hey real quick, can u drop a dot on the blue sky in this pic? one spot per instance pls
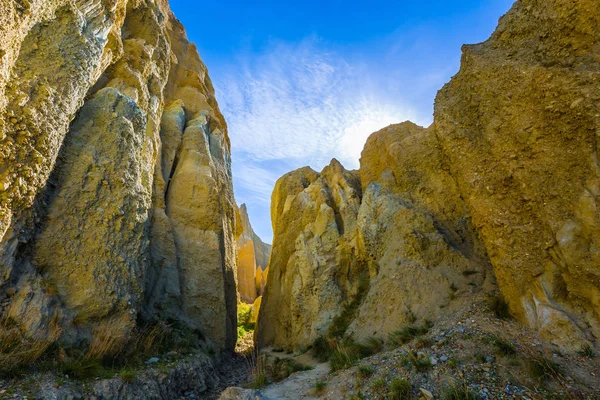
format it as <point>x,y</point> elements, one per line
<point>302,82</point>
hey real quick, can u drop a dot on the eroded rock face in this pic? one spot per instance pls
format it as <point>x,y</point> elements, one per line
<point>503,189</point>
<point>315,262</point>
<point>115,174</point>
<point>413,249</point>
<point>253,260</point>
<point>519,125</point>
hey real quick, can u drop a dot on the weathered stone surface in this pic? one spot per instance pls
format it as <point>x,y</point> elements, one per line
<point>506,179</point>
<point>184,379</point>
<point>116,198</point>
<point>315,264</point>
<point>519,125</point>
<point>253,260</point>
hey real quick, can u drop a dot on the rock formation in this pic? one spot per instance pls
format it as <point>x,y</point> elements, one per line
<point>503,189</point>
<point>116,198</point>
<point>253,260</point>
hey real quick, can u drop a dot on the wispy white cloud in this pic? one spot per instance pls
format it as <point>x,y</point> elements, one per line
<point>300,104</point>
<point>304,103</point>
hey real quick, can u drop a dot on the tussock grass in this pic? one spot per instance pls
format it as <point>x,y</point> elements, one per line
<point>461,392</point>
<point>543,368</point>
<point>406,334</point>
<point>401,389</point>
<point>503,346</point>
<point>365,372</point>
<point>320,386</point>
<point>587,350</point>
<point>422,364</point>
<point>257,364</point>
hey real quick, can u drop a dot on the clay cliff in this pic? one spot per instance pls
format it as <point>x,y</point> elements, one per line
<point>501,193</point>
<point>116,198</point>
<point>253,260</point>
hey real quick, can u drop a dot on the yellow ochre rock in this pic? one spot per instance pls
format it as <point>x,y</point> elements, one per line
<point>502,192</point>
<point>116,196</point>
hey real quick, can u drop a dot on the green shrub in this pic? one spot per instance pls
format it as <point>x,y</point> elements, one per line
<point>340,324</point>
<point>127,375</point>
<point>343,357</point>
<point>322,349</point>
<point>284,367</point>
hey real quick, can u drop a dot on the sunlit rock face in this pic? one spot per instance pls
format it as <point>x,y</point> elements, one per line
<point>116,198</point>
<point>519,125</point>
<point>253,260</point>
<point>502,191</point>
<point>399,258</point>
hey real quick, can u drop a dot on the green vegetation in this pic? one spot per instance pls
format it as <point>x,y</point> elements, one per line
<point>400,389</point>
<point>244,316</point>
<point>340,324</point>
<point>127,375</point>
<point>587,351</point>
<point>365,372</point>
<point>103,357</point>
<point>543,368</point>
<point>460,393</point>
<point>258,370</point>
<point>421,364</point>
<point>320,386</point>
<point>343,352</point>
<point>284,367</point>
<point>499,306</point>
<point>503,346</point>
<point>406,334</point>
<point>479,357</point>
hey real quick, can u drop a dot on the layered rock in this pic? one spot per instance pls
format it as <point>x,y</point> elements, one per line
<point>253,260</point>
<point>503,186</point>
<point>115,178</point>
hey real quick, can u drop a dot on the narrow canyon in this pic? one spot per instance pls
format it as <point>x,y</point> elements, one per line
<point>460,261</point>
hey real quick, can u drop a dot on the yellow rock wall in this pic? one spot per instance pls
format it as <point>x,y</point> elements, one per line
<point>502,191</point>
<point>116,196</point>
<point>253,260</point>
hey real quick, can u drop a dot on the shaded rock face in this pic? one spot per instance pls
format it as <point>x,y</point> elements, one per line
<point>253,260</point>
<point>116,198</point>
<point>500,192</point>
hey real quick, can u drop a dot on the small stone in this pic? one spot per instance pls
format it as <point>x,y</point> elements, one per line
<point>433,361</point>
<point>426,394</point>
<point>443,358</point>
<point>153,360</point>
